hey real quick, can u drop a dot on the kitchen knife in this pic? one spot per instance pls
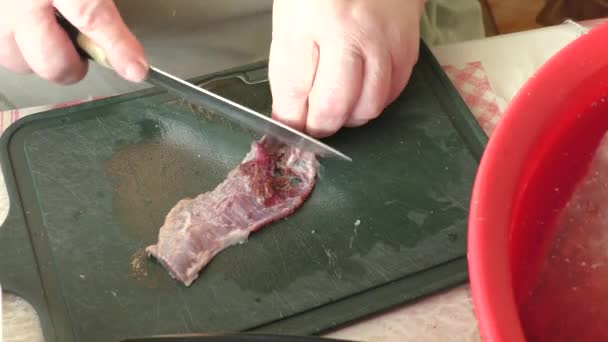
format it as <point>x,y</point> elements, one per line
<point>241,115</point>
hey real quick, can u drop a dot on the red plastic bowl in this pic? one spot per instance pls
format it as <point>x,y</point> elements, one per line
<point>535,158</point>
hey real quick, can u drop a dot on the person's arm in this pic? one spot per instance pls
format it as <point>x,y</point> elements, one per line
<point>336,63</point>
<point>32,40</point>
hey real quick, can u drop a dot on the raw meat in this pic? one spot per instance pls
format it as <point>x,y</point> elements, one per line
<point>271,182</point>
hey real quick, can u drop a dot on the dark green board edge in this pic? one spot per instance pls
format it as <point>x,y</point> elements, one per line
<point>315,321</point>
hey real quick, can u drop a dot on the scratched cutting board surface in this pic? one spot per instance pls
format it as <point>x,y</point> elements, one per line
<point>89,187</point>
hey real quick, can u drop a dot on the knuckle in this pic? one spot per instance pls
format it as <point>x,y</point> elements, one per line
<point>362,26</point>
<point>327,110</point>
<point>360,14</point>
<point>356,39</point>
<point>372,108</point>
<point>320,130</point>
<point>52,75</point>
<point>288,87</point>
<point>296,90</point>
<point>20,68</point>
<point>61,74</point>
<point>373,100</point>
<point>15,66</point>
<point>285,95</point>
<point>324,120</point>
<point>369,111</point>
<point>357,123</point>
<point>11,58</point>
<point>291,75</point>
<point>91,15</point>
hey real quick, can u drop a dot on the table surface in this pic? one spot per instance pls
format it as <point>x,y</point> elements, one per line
<point>447,316</point>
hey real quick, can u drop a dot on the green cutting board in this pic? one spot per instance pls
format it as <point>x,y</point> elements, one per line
<point>89,187</point>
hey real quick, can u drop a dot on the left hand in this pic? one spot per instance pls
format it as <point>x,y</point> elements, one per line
<point>33,42</point>
<point>336,63</point>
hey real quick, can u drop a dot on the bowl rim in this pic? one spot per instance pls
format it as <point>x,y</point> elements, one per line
<point>500,172</point>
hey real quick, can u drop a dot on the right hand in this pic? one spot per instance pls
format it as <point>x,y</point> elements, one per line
<point>31,40</point>
<point>336,63</point>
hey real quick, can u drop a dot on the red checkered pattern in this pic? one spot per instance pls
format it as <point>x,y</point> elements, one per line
<point>473,85</point>
<point>470,80</point>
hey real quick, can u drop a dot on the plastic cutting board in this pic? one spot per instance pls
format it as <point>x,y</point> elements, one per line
<point>90,185</point>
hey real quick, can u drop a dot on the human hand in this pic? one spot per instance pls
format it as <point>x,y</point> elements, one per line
<point>33,41</point>
<point>336,63</point>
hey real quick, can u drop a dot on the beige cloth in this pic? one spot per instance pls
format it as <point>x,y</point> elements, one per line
<point>443,21</point>
<point>150,16</point>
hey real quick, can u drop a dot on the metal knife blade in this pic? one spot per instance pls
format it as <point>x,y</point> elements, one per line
<point>257,122</point>
<point>241,115</point>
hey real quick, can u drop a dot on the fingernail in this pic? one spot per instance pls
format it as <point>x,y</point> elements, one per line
<point>136,71</point>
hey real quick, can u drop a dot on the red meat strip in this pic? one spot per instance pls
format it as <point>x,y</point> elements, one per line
<point>270,183</point>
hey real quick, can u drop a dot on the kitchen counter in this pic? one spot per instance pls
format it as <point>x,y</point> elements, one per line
<point>508,62</point>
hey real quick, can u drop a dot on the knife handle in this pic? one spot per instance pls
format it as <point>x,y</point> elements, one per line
<point>85,47</point>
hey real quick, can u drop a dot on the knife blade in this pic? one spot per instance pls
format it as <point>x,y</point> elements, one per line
<point>241,115</point>
<point>257,122</point>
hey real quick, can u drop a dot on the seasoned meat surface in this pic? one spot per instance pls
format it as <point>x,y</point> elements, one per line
<point>271,182</point>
